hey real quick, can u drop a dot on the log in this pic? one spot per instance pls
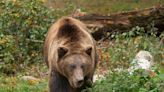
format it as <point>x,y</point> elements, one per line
<point>101,25</point>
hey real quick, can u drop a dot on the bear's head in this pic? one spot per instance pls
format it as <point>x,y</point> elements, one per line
<point>74,66</point>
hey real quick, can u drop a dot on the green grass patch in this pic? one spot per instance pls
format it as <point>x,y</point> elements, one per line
<point>15,84</point>
<point>125,82</point>
<point>106,6</point>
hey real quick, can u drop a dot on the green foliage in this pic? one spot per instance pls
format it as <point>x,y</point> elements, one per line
<point>126,45</point>
<point>108,6</point>
<point>23,24</point>
<point>121,52</point>
<point>15,84</point>
<point>125,82</point>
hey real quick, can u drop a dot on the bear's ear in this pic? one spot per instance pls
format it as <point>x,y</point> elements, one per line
<point>89,51</point>
<point>61,52</point>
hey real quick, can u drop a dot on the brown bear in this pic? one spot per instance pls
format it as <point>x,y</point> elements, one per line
<point>70,53</point>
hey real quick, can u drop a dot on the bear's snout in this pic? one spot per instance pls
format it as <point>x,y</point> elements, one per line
<point>78,78</point>
<point>80,82</point>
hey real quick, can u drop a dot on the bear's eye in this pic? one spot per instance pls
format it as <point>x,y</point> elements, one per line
<point>72,66</point>
<point>82,66</point>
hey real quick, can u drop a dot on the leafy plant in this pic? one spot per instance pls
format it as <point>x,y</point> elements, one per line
<point>23,25</point>
<point>125,82</point>
<point>16,84</point>
<point>121,53</point>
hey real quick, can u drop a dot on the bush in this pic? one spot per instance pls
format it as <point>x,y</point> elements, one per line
<point>23,24</point>
<point>125,82</point>
<point>117,58</point>
<point>125,46</point>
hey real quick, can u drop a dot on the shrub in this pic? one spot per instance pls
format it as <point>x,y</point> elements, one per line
<point>23,24</point>
<point>125,46</point>
<point>125,82</point>
<point>120,54</point>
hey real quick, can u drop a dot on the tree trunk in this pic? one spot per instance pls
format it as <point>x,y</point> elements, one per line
<point>122,22</point>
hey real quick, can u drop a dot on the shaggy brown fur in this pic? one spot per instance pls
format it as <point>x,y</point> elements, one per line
<point>70,54</point>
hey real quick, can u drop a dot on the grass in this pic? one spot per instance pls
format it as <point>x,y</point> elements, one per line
<point>112,6</point>
<point>106,6</point>
<point>15,84</point>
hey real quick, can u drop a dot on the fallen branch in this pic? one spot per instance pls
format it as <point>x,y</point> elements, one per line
<point>100,25</point>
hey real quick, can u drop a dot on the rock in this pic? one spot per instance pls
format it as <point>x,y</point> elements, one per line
<point>30,79</point>
<point>143,60</point>
<point>144,55</point>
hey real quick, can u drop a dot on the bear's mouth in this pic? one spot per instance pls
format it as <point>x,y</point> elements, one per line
<point>77,84</point>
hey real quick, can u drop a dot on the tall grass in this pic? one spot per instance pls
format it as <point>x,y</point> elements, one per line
<point>16,84</point>
<point>106,6</point>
